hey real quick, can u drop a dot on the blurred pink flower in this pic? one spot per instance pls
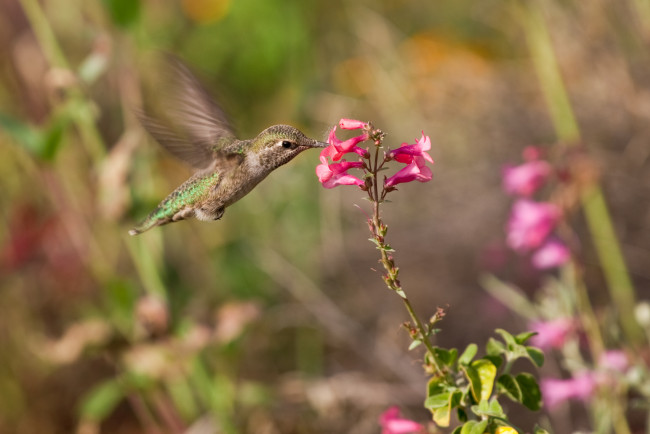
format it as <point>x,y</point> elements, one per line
<point>352,124</point>
<point>614,360</point>
<point>530,224</point>
<point>338,148</point>
<point>531,153</point>
<point>416,157</point>
<point>555,391</point>
<point>551,334</point>
<point>392,423</point>
<point>527,178</point>
<point>552,254</point>
<point>334,174</point>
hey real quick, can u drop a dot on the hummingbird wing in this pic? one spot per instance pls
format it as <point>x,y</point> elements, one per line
<point>199,128</point>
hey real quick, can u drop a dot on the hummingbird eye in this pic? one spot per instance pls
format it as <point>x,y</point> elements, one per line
<point>287,144</point>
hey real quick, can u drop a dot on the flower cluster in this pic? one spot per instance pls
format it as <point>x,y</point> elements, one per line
<point>531,226</point>
<point>333,170</point>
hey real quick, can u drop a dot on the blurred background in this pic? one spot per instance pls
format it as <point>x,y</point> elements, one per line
<point>273,320</point>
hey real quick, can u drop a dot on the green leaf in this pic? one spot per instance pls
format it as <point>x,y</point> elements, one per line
<point>437,401</point>
<point>494,347</point>
<point>23,133</point>
<point>508,385</point>
<point>508,338</point>
<point>496,360</point>
<point>446,357</point>
<point>468,354</point>
<point>491,408</point>
<point>522,338</point>
<point>101,400</point>
<point>531,395</point>
<point>441,408</point>
<point>435,386</point>
<point>487,373</point>
<point>481,374</point>
<point>457,430</point>
<point>495,409</point>
<point>442,415</point>
<point>462,415</point>
<point>416,343</point>
<point>474,427</point>
<point>480,409</point>
<point>474,381</point>
<point>536,355</point>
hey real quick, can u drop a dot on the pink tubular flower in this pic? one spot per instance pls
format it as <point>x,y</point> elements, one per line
<point>416,171</point>
<point>530,224</point>
<point>334,174</point>
<point>415,156</point>
<point>555,391</point>
<point>352,124</point>
<point>551,334</point>
<point>392,423</point>
<point>552,254</point>
<point>526,179</point>
<point>338,148</point>
<point>407,153</point>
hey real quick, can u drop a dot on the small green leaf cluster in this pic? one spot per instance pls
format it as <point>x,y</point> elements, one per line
<point>471,387</point>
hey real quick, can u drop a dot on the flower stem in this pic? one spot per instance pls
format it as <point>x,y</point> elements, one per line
<point>378,230</point>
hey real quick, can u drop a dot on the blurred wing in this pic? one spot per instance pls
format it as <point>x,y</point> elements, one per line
<point>197,155</point>
<point>198,126</point>
<point>194,110</point>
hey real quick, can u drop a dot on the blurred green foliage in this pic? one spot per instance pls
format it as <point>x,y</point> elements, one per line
<point>216,326</point>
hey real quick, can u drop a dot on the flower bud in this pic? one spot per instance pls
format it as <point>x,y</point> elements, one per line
<point>352,124</point>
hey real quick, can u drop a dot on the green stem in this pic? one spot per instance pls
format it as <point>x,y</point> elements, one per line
<point>595,209</point>
<point>388,263</point>
<point>80,109</point>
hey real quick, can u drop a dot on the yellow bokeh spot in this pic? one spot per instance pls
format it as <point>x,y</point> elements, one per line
<point>427,54</point>
<point>505,430</point>
<point>205,11</point>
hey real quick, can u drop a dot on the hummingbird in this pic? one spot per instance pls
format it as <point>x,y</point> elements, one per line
<point>226,168</point>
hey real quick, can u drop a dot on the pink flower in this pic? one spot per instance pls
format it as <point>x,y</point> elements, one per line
<point>552,254</point>
<point>352,124</point>
<point>526,179</point>
<point>551,334</point>
<point>531,153</point>
<point>530,224</point>
<point>392,423</point>
<point>415,156</point>
<point>334,174</point>
<point>614,360</point>
<point>555,391</point>
<point>338,148</point>
<point>416,171</point>
<point>407,153</point>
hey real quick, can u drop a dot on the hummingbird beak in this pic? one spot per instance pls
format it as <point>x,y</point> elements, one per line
<point>321,145</point>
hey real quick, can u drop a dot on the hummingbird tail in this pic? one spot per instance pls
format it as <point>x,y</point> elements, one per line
<point>144,226</point>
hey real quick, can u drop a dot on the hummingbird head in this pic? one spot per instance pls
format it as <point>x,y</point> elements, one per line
<point>279,144</point>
